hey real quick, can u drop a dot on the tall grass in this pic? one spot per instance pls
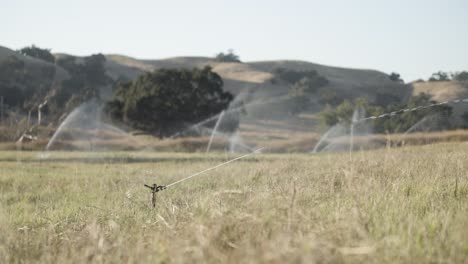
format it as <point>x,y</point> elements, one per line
<point>405,205</point>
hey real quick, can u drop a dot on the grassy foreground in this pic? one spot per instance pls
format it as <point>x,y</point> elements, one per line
<point>406,205</point>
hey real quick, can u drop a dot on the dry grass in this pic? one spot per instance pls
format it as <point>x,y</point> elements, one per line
<point>402,205</point>
<point>277,141</point>
<point>441,91</point>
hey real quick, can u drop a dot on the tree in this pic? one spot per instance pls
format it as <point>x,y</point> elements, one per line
<point>299,99</point>
<point>302,85</point>
<point>11,69</point>
<point>228,57</point>
<point>461,76</point>
<point>329,97</point>
<point>36,52</point>
<point>12,77</point>
<point>165,101</point>
<point>94,70</point>
<point>86,80</point>
<point>395,77</point>
<point>24,88</point>
<point>439,76</point>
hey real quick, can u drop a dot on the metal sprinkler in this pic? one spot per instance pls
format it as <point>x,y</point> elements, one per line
<point>154,189</point>
<point>157,188</point>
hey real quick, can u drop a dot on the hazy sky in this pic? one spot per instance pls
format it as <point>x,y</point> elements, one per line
<point>412,37</point>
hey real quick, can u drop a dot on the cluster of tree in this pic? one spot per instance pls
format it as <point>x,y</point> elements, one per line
<point>24,87</point>
<point>302,84</point>
<point>230,56</point>
<point>20,86</point>
<point>87,77</point>
<point>441,76</point>
<point>11,76</point>
<point>36,52</point>
<point>160,103</point>
<point>461,76</point>
<point>165,101</point>
<point>398,123</point>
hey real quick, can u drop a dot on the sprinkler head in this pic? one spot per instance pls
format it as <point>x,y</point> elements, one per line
<point>154,189</point>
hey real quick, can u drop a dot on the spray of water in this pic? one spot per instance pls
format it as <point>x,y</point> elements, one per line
<point>220,118</point>
<point>341,136</point>
<point>234,110</point>
<point>335,131</point>
<point>71,117</point>
<point>84,129</point>
<point>236,144</point>
<point>428,123</point>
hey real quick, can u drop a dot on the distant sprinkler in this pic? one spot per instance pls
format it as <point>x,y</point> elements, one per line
<point>39,112</point>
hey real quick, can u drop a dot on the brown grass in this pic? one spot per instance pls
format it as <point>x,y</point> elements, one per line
<point>404,205</point>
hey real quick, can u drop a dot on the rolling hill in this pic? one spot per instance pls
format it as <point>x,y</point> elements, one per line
<point>348,83</point>
<point>255,83</point>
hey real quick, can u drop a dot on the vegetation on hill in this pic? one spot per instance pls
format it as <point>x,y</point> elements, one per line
<point>26,83</point>
<point>302,84</point>
<point>395,77</point>
<point>26,87</point>
<point>399,123</point>
<point>439,76</point>
<point>461,76</point>
<point>165,101</point>
<point>21,88</point>
<point>36,52</point>
<point>87,77</point>
<point>442,76</point>
<point>230,56</point>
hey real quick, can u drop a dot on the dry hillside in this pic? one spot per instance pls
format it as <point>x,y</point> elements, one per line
<point>444,91</point>
<point>349,83</point>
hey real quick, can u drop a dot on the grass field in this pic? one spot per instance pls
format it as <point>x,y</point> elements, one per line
<point>404,205</point>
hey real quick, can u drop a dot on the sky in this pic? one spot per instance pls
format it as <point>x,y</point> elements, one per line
<point>414,38</point>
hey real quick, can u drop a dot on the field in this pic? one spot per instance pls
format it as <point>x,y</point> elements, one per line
<point>393,205</point>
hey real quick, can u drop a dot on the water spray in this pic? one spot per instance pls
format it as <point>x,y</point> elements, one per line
<point>157,188</point>
<point>229,111</point>
<point>214,131</point>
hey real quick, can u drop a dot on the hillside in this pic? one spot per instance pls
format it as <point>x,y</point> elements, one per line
<point>256,78</point>
<point>444,91</point>
<point>348,83</point>
<point>263,93</point>
<point>32,63</point>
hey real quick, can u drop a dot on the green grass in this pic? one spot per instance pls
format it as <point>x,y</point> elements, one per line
<point>406,205</point>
